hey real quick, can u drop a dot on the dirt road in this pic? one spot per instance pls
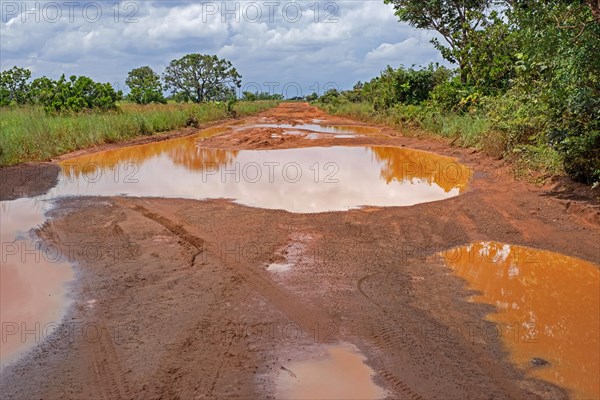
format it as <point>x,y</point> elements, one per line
<point>186,307</point>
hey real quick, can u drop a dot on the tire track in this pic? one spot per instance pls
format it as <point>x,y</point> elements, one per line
<point>105,371</point>
<point>295,308</point>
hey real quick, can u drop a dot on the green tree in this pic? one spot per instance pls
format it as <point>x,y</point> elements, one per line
<point>249,96</point>
<point>312,97</point>
<point>200,78</point>
<point>41,90</point>
<point>559,60</point>
<point>407,86</point>
<point>76,94</point>
<point>457,21</point>
<point>492,54</point>
<point>14,87</point>
<point>145,86</point>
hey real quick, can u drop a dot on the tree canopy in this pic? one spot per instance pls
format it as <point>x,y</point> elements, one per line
<point>201,77</point>
<point>145,86</point>
<point>455,20</point>
<point>14,86</point>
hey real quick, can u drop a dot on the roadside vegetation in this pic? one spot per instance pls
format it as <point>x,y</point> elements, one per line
<point>43,118</point>
<point>526,87</point>
<point>30,134</point>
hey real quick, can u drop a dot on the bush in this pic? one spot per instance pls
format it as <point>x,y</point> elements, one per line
<point>582,156</point>
<point>455,96</point>
<point>75,95</point>
<point>406,86</point>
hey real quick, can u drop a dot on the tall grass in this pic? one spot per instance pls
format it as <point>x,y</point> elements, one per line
<point>29,134</point>
<point>532,162</point>
<point>419,121</point>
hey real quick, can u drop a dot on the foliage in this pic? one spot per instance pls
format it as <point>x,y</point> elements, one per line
<point>30,134</point>
<point>560,63</point>
<point>75,94</point>
<point>393,86</point>
<point>200,78</point>
<point>492,54</point>
<point>332,96</point>
<point>14,87</point>
<point>527,85</point>
<point>249,96</point>
<point>407,86</point>
<point>145,86</point>
<point>456,21</point>
<point>312,97</point>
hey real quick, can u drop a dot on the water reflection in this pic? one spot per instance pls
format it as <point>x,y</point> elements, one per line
<point>303,180</point>
<point>32,279</point>
<point>341,374</point>
<point>548,307</point>
<point>349,130</point>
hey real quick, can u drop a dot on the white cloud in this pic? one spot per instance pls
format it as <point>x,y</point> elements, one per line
<point>365,38</point>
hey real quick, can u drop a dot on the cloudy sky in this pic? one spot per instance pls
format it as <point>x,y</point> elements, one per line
<point>277,46</point>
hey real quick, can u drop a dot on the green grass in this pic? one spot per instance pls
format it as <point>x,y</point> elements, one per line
<point>419,121</point>
<point>534,163</point>
<point>29,134</point>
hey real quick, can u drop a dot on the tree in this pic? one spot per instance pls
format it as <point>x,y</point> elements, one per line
<point>456,21</point>
<point>312,97</point>
<point>14,88</point>
<point>492,54</point>
<point>41,90</point>
<point>145,86</point>
<point>201,77</point>
<point>76,94</point>
<point>406,86</point>
<point>560,61</point>
<point>249,96</point>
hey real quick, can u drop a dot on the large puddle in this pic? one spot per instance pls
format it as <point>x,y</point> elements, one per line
<point>548,308</point>
<point>339,374</point>
<point>307,180</point>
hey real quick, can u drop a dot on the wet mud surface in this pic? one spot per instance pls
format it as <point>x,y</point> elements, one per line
<point>27,180</point>
<point>189,298</point>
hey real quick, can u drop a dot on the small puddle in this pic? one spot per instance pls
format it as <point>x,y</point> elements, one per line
<point>340,374</point>
<point>339,131</point>
<point>279,267</point>
<point>548,308</point>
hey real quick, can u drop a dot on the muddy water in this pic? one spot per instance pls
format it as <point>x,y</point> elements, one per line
<point>548,308</point>
<point>338,374</point>
<point>337,130</point>
<point>307,180</point>
<point>32,279</point>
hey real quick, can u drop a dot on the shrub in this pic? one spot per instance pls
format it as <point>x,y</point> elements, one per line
<point>75,95</point>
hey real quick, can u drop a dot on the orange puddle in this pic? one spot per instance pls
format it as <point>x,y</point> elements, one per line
<point>32,280</point>
<point>346,130</point>
<point>548,307</point>
<point>305,180</point>
<point>341,374</point>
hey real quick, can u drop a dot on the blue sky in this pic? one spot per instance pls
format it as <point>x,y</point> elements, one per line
<point>277,46</point>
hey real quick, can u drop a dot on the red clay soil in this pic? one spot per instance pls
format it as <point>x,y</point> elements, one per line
<point>190,311</point>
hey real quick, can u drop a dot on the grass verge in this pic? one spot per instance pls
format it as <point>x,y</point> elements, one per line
<point>29,134</point>
<point>534,163</point>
